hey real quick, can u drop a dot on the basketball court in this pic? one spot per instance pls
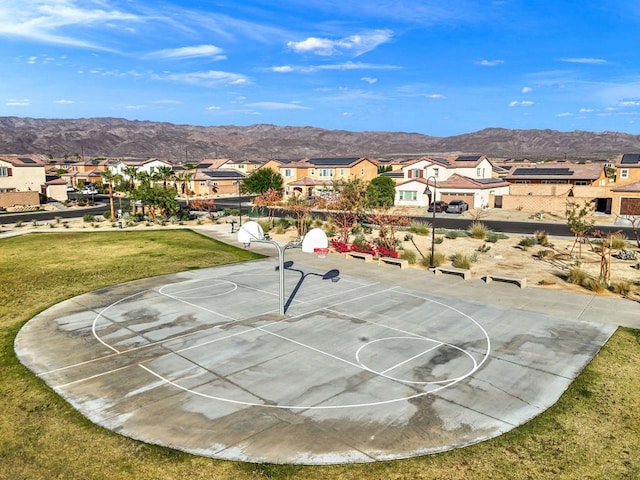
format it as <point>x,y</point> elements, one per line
<point>361,368</point>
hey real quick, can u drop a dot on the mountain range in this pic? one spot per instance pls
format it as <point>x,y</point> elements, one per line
<point>117,137</point>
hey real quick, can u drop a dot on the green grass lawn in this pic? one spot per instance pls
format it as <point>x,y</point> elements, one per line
<point>592,432</point>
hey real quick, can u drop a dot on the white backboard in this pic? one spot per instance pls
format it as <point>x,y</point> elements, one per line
<point>315,238</point>
<point>250,231</point>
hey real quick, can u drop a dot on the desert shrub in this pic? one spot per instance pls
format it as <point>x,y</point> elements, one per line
<point>265,224</point>
<point>106,215</point>
<point>317,223</point>
<point>618,241</point>
<point>593,284</point>
<point>478,230</point>
<point>493,237</point>
<point>439,240</point>
<point>419,228</point>
<point>409,255</point>
<point>541,237</point>
<point>438,259</point>
<point>527,242</point>
<point>545,253</point>
<point>88,218</point>
<point>279,229</point>
<point>484,248</point>
<point>474,257</point>
<point>623,287</point>
<point>460,260</point>
<point>453,234</point>
<point>19,224</point>
<point>285,222</point>
<point>577,276</point>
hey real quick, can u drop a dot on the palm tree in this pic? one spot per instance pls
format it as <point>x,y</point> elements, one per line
<point>110,178</point>
<point>186,177</point>
<point>163,174</point>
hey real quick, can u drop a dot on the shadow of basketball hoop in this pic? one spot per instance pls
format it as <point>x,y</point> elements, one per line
<point>333,275</point>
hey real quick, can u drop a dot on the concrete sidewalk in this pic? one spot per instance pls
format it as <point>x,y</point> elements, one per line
<point>384,364</point>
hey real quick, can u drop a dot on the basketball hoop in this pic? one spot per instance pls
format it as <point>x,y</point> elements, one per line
<point>321,252</point>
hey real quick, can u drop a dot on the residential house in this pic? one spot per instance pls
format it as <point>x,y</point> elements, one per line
<point>447,178</point>
<point>22,180</point>
<point>314,176</point>
<point>626,192</point>
<point>80,173</point>
<point>549,186</point>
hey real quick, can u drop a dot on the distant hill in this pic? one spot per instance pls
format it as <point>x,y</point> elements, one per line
<point>116,137</point>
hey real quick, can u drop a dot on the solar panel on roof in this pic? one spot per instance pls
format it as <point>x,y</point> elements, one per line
<point>630,158</point>
<point>332,161</point>
<point>26,160</point>
<point>543,171</point>
<point>467,158</point>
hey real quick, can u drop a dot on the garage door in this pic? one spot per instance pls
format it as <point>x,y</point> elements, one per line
<point>630,206</point>
<point>449,197</point>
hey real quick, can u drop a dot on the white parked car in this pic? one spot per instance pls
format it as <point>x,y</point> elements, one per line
<point>91,190</point>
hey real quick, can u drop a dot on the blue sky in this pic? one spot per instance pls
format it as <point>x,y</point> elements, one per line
<point>428,66</point>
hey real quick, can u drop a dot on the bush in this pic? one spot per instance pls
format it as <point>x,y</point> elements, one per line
<point>541,237</point>
<point>623,287</point>
<point>438,259</point>
<point>527,242</point>
<point>484,248</point>
<point>618,241</point>
<point>593,284</point>
<point>453,234</point>
<point>88,218</point>
<point>265,225</point>
<point>420,228</point>
<point>460,260</point>
<point>106,215</point>
<point>409,255</point>
<point>577,276</point>
<point>285,223</point>
<point>439,240</point>
<point>542,254</point>
<point>478,230</point>
<point>493,237</point>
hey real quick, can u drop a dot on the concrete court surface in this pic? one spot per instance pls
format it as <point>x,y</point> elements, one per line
<point>383,364</point>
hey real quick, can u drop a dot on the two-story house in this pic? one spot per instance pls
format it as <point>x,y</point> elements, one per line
<point>447,178</point>
<point>626,192</point>
<point>314,176</point>
<point>22,180</point>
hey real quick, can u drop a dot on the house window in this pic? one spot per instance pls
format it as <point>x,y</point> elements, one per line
<point>326,172</point>
<point>288,172</point>
<point>5,172</point>
<point>624,173</point>
<point>415,173</point>
<point>342,172</point>
<point>312,171</point>
<point>410,196</point>
<point>362,172</point>
<point>581,182</point>
<point>435,172</point>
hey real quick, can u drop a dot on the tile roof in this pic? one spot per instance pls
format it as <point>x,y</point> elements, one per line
<point>630,187</point>
<point>23,160</point>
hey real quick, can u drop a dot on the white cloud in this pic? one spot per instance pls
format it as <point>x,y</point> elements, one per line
<point>564,114</point>
<point>629,103</point>
<point>282,69</point>
<point>523,103</point>
<point>214,107</point>
<point>356,66</point>
<point>347,114</point>
<point>586,110</point>
<point>354,44</point>
<point>278,106</point>
<point>55,21</point>
<point>134,107</point>
<point>435,96</point>
<point>196,51</point>
<point>13,102</point>
<point>489,63</point>
<point>211,78</point>
<point>64,102</point>
<point>168,102</point>
<point>526,90</point>
<point>591,61</point>
<point>369,80</point>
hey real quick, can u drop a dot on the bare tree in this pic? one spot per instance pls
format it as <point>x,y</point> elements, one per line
<point>634,220</point>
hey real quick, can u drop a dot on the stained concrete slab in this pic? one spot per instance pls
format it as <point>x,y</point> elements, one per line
<point>383,364</point>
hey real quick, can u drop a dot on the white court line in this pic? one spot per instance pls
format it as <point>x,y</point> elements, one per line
<point>92,377</point>
<point>412,358</point>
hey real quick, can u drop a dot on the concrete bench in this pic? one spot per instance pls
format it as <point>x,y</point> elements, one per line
<point>367,257</point>
<point>402,263</point>
<point>520,281</point>
<point>463,272</point>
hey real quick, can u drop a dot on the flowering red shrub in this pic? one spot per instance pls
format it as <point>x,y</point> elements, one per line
<point>363,247</point>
